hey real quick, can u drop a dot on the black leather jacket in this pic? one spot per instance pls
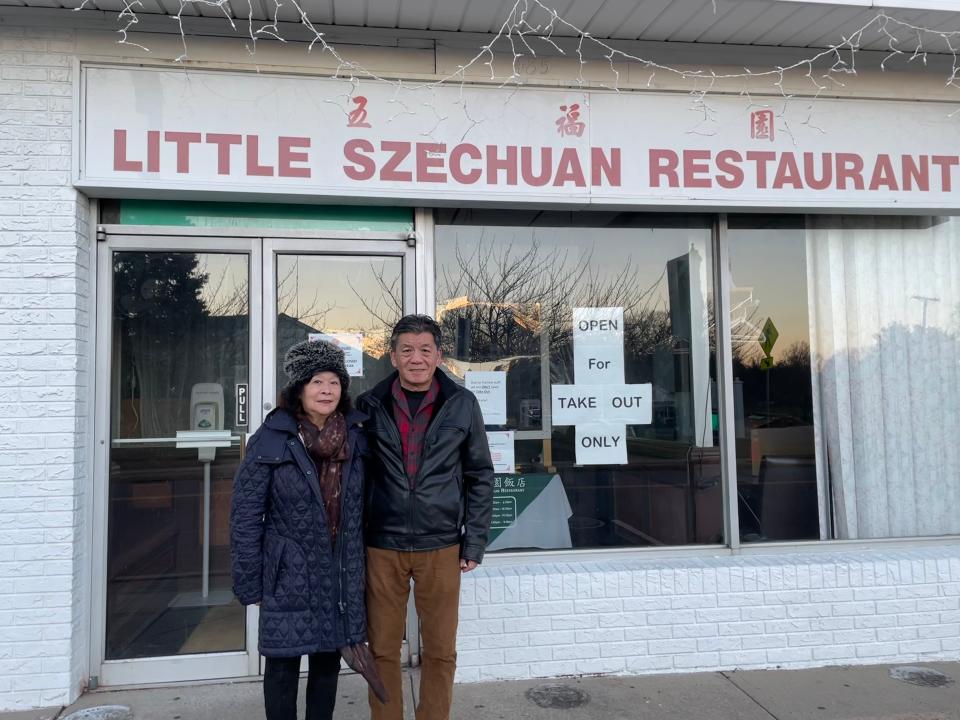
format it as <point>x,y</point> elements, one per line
<point>450,500</point>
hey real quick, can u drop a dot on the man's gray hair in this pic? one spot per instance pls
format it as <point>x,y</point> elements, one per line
<point>415,324</point>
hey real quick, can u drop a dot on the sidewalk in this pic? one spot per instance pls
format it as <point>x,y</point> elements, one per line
<point>859,693</point>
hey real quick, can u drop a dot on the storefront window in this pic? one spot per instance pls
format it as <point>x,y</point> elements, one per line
<point>885,298</point>
<point>846,333</point>
<point>589,339</point>
<point>777,489</point>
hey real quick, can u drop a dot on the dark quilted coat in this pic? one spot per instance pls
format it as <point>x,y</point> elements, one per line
<point>311,595</point>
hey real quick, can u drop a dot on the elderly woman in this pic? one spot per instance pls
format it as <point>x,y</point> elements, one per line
<point>296,531</point>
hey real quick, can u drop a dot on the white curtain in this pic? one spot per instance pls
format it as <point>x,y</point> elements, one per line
<point>885,337</point>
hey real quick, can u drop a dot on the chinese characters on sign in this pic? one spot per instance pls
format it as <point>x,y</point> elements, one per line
<point>506,488</point>
<point>761,125</point>
<point>529,511</point>
<point>358,116</point>
<point>569,123</point>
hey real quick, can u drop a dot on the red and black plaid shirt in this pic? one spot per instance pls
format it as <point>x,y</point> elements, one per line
<point>413,430</point>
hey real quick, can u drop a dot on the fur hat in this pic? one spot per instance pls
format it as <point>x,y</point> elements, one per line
<point>307,358</point>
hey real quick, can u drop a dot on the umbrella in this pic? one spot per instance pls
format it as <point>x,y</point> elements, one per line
<point>360,659</point>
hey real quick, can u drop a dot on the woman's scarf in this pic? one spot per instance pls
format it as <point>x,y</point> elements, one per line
<point>328,448</point>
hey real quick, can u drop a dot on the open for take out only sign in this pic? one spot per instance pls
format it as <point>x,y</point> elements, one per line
<point>176,130</point>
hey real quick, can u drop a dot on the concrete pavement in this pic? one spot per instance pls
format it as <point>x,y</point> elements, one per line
<point>928,691</point>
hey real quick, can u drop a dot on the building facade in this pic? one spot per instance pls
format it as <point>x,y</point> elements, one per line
<point>713,317</point>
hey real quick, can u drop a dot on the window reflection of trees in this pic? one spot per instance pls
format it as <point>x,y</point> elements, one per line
<point>498,298</point>
<point>174,327</point>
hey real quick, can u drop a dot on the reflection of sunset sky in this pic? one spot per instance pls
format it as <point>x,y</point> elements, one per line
<point>227,277</point>
<point>609,250</point>
<point>326,292</point>
<point>342,294</point>
<point>769,264</point>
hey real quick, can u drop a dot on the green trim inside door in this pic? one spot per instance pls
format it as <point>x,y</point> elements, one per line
<point>268,216</point>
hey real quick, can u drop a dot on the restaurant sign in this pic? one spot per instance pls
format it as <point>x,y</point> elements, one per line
<point>267,135</point>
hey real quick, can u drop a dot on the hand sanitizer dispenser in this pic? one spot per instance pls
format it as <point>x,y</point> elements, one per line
<point>206,407</point>
<point>206,434</point>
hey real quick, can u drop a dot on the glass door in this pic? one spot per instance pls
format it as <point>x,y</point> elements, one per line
<point>178,321</point>
<point>348,291</point>
<point>190,342</point>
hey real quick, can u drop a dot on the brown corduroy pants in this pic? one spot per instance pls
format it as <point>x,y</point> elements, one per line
<point>436,592</point>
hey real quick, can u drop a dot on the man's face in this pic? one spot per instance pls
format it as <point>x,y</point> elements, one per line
<point>415,357</point>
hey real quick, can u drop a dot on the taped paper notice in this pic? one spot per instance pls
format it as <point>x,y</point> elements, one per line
<point>490,387</point>
<point>501,452</point>
<point>598,345</point>
<point>601,443</point>
<point>576,404</point>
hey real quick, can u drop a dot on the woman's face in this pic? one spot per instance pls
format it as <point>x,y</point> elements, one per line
<point>320,396</point>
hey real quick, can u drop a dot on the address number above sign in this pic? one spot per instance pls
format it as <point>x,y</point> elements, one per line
<point>268,135</point>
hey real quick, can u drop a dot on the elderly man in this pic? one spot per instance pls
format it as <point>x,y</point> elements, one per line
<point>429,502</point>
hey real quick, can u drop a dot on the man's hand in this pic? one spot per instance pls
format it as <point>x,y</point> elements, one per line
<point>467,565</point>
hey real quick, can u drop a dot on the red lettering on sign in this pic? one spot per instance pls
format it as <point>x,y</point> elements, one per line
<point>602,166</point>
<point>696,168</point>
<point>223,141</point>
<point>826,171</point>
<point>363,167</point>
<point>526,166</point>
<point>120,162</point>
<point>883,174</point>
<point>849,167</point>
<point>254,168</point>
<point>495,165</point>
<point>153,151</point>
<point>389,172</point>
<point>664,163</point>
<point>456,163</point>
<point>430,156</point>
<point>787,173</point>
<point>914,172</point>
<point>569,169</point>
<point>287,148</point>
<point>760,159</point>
<point>945,162</point>
<point>728,162</point>
<point>183,141</point>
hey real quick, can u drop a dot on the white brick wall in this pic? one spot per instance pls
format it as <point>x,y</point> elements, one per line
<point>676,615</point>
<point>44,355</point>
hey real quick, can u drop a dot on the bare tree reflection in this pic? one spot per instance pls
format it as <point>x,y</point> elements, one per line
<point>501,297</point>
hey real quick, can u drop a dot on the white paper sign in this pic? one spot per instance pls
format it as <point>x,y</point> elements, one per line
<point>501,452</point>
<point>352,346</point>
<point>628,404</point>
<point>600,404</point>
<point>598,345</point>
<point>598,326</point>
<point>601,443</point>
<point>490,387</point>
<point>574,404</point>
